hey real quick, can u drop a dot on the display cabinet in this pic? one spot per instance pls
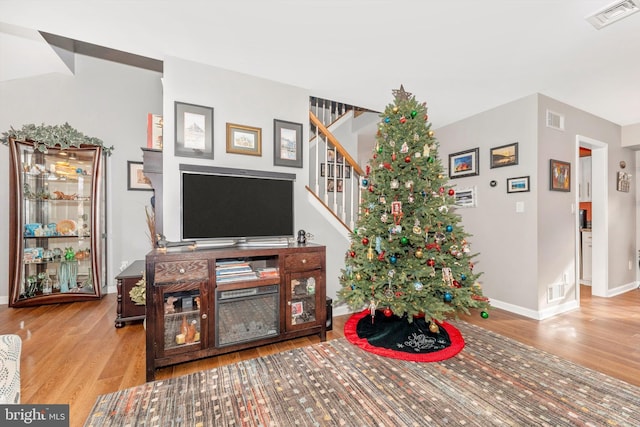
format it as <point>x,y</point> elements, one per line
<point>304,276</point>
<point>57,224</point>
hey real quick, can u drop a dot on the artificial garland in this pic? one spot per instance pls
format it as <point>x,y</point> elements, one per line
<point>44,137</point>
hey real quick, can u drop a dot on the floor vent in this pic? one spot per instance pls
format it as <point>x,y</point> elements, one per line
<point>613,13</point>
<point>555,120</point>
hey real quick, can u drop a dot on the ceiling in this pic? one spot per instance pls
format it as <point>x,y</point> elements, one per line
<point>460,57</point>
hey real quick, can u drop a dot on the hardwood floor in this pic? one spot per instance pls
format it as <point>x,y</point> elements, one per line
<point>72,352</point>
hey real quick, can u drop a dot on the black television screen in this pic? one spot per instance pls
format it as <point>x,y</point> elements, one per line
<point>222,203</point>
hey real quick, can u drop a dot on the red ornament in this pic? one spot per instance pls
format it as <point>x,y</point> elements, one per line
<point>393,156</point>
<point>387,165</point>
<point>365,241</point>
<point>353,254</point>
<point>451,192</point>
<point>407,159</point>
<point>431,262</point>
<point>426,117</point>
<point>403,119</point>
<point>456,284</point>
<point>441,190</point>
<point>387,312</point>
<point>371,189</point>
<point>381,256</point>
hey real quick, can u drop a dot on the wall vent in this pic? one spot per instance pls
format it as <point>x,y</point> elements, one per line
<point>555,292</point>
<point>555,120</point>
<point>613,13</point>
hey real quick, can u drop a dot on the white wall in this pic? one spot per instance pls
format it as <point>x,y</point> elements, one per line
<point>505,240</point>
<point>247,100</point>
<point>103,99</point>
<point>521,254</point>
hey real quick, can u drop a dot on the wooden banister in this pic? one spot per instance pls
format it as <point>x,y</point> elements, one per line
<point>332,139</point>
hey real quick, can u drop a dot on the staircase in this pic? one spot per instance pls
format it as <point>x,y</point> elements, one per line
<point>335,175</point>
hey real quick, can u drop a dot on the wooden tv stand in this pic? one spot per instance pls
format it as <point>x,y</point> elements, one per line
<point>204,302</point>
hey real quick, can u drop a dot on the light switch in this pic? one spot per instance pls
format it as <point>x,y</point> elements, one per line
<point>519,207</point>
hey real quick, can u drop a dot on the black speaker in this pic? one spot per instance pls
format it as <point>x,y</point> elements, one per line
<point>329,314</point>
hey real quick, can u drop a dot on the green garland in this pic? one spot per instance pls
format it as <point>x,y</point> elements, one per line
<point>46,136</point>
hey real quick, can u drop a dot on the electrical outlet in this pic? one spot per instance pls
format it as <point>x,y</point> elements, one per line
<point>123,265</point>
<point>630,265</point>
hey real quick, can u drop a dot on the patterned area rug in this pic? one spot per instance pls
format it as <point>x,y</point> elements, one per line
<point>494,381</point>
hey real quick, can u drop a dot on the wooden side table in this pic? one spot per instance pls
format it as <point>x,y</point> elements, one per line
<point>127,310</point>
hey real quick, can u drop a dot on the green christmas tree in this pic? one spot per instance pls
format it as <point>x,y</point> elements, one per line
<point>409,255</point>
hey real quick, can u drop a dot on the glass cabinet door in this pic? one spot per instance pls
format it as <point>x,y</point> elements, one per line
<point>303,302</point>
<point>57,232</point>
<point>182,321</point>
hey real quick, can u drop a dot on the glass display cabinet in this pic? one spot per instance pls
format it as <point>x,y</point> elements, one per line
<point>57,223</point>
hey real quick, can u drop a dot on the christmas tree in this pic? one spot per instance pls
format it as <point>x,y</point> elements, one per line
<point>409,255</point>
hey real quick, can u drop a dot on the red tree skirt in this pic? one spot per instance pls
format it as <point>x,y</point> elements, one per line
<point>384,325</point>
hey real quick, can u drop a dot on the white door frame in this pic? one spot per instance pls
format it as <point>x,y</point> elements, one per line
<point>599,215</point>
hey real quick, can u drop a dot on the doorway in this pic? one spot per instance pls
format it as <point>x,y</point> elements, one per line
<point>599,215</point>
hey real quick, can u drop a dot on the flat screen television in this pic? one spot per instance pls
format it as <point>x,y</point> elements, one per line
<point>231,206</point>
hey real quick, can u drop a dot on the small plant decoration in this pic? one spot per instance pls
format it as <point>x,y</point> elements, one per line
<point>44,137</point>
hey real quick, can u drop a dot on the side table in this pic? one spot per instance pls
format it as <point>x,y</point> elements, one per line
<point>127,310</point>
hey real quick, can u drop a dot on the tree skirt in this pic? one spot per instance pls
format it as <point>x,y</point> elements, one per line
<point>396,338</point>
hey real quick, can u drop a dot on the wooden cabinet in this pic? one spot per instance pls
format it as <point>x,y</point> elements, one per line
<point>57,228</point>
<point>127,310</point>
<point>204,302</point>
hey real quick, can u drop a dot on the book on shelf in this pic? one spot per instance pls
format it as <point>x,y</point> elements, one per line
<point>236,277</point>
<point>267,272</point>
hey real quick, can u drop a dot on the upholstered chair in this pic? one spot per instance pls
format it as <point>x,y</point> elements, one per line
<point>10,349</point>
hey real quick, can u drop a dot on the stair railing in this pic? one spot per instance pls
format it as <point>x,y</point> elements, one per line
<point>335,174</point>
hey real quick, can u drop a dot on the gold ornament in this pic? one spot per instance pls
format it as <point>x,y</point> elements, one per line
<point>431,133</point>
<point>358,276</point>
<point>395,109</point>
<point>433,327</point>
<point>419,253</point>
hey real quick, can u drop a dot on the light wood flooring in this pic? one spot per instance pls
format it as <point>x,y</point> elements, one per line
<point>72,352</point>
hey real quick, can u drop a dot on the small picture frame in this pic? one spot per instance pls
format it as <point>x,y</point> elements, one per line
<point>333,169</point>
<point>559,175</point>
<point>193,130</point>
<point>334,185</point>
<point>505,155</point>
<point>518,185</point>
<point>464,163</point>
<point>297,308</point>
<point>287,140</point>
<point>466,197</point>
<point>136,179</point>
<point>244,139</point>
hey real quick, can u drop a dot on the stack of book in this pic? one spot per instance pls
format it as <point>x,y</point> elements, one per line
<point>234,271</point>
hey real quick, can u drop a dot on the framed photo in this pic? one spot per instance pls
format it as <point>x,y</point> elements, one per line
<point>464,163</point>
<point>136,179</point>
<point>333,168</point>
<point>559,175</point>
<point>287,138</point>
<point>244,140</point>
<point>334,185</point>
<point>505,155</point>
<point>194,130</point>
<point>466,197</point>
<point>518,185</point>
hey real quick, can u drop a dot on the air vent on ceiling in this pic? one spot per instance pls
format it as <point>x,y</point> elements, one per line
<point>613,13</point>
<point>555,120</point>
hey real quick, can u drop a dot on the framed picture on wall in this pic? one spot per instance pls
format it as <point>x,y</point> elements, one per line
<point>194,130</point>
<point>559,175</point>
<point>287,139</point>
<point>505,155</point>
<point>244,139</point>
<point>518,185</point>
<point>136,179</point>
<point>464,163</point>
